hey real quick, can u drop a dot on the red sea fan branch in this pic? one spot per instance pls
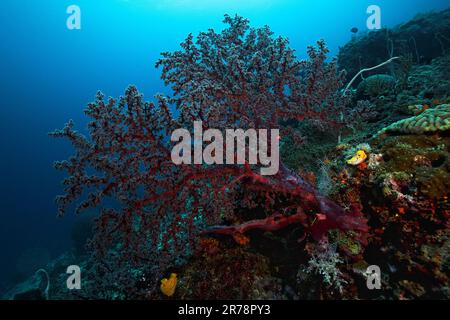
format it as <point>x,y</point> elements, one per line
<point>239,78</point>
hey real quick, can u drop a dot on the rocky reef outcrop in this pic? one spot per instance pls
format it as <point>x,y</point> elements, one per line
<point>419,40</point>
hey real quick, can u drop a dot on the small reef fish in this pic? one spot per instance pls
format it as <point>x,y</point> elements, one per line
<point>354,30</point>
<point>168,285</point>
<point>358,158</point>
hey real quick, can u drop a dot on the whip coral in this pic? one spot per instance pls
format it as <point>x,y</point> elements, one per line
<point>239,78</point>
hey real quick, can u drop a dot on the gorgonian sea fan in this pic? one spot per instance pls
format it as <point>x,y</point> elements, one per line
<point>241,77</point>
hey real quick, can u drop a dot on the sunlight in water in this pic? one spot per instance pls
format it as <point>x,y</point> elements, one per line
<point>205,4</point>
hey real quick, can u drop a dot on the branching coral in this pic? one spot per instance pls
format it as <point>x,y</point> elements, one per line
<point>246,77</point>
<point>239,78</point>
<point>324,262</point>
<point>356,117</point>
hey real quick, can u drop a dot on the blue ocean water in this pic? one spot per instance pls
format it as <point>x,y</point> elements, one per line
<point>49,73</point>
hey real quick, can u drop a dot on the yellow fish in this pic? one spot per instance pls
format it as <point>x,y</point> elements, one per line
<point>358,158</point>
<point>168,285</point>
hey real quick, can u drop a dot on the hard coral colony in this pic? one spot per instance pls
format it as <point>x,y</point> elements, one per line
<point>247,78</point>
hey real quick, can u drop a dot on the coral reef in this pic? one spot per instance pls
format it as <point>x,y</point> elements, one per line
<point>227,274</point>
<point>429,84</point>
<point>236,78</point>
<point>404,193</point>
<point>308,232</point>
<point>45,283</point>
<point>429,121</point>
<point>375,86</point>
<point>421,39</point>
<point>324,262</point>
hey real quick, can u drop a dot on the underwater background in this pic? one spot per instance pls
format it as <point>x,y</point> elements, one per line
<point>49,73</point>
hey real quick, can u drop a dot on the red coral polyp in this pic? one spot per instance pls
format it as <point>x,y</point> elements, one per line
<point>241,77</point>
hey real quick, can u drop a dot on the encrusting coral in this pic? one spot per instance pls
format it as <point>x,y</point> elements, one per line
<point>430,120</point>
<point>404,190</point>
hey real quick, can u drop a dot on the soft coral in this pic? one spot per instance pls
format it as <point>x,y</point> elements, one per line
<point>239,78</point>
